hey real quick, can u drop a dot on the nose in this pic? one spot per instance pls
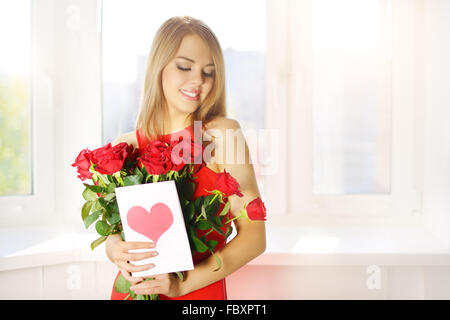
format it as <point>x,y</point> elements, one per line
<point>197,78</point>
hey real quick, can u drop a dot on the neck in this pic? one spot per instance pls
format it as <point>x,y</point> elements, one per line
<point>175,122</point>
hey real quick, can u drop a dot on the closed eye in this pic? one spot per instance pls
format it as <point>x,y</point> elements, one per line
<point>204,73</point>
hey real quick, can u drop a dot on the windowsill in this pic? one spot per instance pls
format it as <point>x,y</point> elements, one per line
<point>287,245</point>
<point>321,244</point>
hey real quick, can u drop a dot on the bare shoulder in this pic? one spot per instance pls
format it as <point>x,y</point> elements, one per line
<point>222,123</point>
<point>129,137</point>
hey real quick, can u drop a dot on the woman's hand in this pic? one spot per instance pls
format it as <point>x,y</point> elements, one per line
<point>117,252</point>
<point>168,284</point>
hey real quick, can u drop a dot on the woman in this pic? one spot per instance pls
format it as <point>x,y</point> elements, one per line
<point>185,82</point>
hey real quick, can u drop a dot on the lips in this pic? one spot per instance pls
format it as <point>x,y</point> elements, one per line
<point>192,95</point>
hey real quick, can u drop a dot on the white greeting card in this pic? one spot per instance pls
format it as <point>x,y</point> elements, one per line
<point>152,212</point>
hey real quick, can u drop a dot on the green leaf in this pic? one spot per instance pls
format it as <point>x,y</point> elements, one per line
<point>97,206</point>
<point>198,203</point>
<point>212,203</point>
<point>198,244</point>
<point>110,179</point>
<point>225,209</point>
<point>110,196</point>
<point>229,231</point>
<point>212,244</point>
<point>203,212</point>
<point>188,213</point>
<point>188,189</point>
<point>98,189</point>
<point>115,217</point>
<point>219,263</point>
<point>122,285</point>
<point>138,172</point>
<point>86,209</point>
<point>180,275</point>
<point>215,225</point>
<point>102,202</point>
<point>132,180</point>
<point>102,228</point>
<point>111,187</point>
<point>89,195</point>
<point>203,225</point>
<point>184,202</point>
<point>95,243</point>
<point>91,218</point>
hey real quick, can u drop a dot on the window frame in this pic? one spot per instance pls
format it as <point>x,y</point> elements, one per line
<point>289,109</point>
<point>66,42</point>
<point>38,206</point>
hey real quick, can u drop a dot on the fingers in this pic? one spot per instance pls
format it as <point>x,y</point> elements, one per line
<point>150,286</point>
<point>127,276</point>
<point>161,276</point>
<point>135,256</point>
<point>138,255</point>
<point>129,267</point>
<point>130,245</point>
<point>122,258</point>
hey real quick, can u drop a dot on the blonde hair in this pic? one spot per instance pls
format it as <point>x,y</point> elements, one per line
<point>164,48</point>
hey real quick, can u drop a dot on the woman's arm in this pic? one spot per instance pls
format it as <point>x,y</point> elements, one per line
<point>250,240</point>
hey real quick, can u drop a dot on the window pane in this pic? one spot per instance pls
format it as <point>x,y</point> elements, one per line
<point>351,96</point>
<point>128,29</point>
<point>15,115</point>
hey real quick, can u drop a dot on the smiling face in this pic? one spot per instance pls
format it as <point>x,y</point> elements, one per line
<point>189,77</point>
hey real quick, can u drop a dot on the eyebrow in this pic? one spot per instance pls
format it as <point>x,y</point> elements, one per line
<point>208,65</point>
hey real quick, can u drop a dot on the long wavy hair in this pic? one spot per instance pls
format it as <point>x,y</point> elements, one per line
<point>153,105</point>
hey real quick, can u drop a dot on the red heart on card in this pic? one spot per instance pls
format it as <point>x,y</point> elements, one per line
<point>150,224</point>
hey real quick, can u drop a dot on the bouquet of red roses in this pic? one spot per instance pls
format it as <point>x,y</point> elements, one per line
<point>122,165</point>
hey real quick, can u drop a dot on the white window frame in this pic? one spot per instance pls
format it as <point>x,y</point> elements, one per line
<point>66,111</point>
<point>289,109</point>
<point>37,207</point>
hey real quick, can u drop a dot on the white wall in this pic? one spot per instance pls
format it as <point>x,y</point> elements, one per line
<point>94,280</point>
<point>436,169</point>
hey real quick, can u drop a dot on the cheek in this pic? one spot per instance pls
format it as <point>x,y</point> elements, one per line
<point>171,81</point>
<point>207,87</point>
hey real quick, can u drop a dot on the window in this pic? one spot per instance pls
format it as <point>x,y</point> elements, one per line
<point>351,97</point>
<point>126,39</point>
<point>15,98</point>
<point>28,165</point>
<point>342,79</point>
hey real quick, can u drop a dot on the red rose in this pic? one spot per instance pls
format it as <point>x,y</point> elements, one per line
<point>108,159</point>
<point>155,157</point>
<point>191,152</point>
<point>130,163</point>
<point>132,153</point>
<point>256,210</point>
<point>83,163</point>
<point>227,184</point>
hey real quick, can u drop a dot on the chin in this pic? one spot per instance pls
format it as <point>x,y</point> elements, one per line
<point>186,108</point>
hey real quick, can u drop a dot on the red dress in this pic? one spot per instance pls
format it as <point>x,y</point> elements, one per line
<point>205,181</point>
